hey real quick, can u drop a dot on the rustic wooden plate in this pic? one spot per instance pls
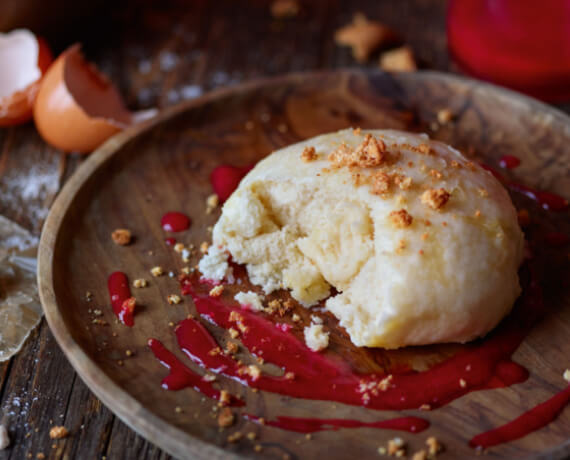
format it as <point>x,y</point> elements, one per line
<point>164,165</point>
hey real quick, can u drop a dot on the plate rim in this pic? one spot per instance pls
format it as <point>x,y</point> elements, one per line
<point>173,440</point>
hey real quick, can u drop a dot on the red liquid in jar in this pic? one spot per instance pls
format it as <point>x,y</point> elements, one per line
<point>312,425</point>
<point>521,44</point>
<point>175,222</point>
<point>530,421</point>
<point>120,293</point>
<point>225,179</point>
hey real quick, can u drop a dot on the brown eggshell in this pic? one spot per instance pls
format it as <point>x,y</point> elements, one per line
<point>18,107</point>
<point>77,108</point>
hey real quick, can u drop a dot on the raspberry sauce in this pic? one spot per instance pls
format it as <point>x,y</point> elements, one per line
<point>181,376</point>
<point>530,421</point>
<point>486,364</point>
<point>175,222</point>
<point>226,178</point>
<point>121,300</point>
<point>509,162</point>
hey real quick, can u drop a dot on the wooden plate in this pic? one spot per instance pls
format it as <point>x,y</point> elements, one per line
<point>164,165</point>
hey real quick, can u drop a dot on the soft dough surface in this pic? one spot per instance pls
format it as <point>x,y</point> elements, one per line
<point>449,275</point>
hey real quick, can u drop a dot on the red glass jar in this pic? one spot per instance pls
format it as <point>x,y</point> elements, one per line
<point>521,44</point>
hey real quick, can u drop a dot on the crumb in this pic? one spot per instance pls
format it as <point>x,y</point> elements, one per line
<point>234,437</point>
<point>40,456</point>
<point>58,432</point>
<point>204,247</point>
<point>156,271</point>
<point>257,448</point>
<point>402,244</point>
<point>120,362</point>
<point>384,384</point>
<point>444,116</point>
<point>435,174</point>
<point>174,299</point>
<point>289,375</point>
<point>382,450</point>
<point>380,183</point>
<point>455,164</point>
<point>370,153</point>
<point>425,407</point>
<point>315,337</point>
<point>396,447</point>
<point>232,347</point>
<point>216,291</point>
<point>186,270</point>
<point>398,60</point>
<point>435,198</point>
<point>282,9</point>
<point>308,436</point>
<point>566,375</point>
<point>462,383</point>
<point>178,409</point>
<point>224,398</point>
<point>129,353</point>
<point>403,182</point>
<point>401,218</point>
<point>233,333</point>
<point>309,154</point>
<point>178,247</point>
<point>140,283</point>
<point>225,418</point>
<point>434,446</point>
<point>4,437</point>
<point>364,36</point>
<point>209,378</point>
<point>250,299</point>
<point>253,371</point>
<point>212,203</point>
<point>296,318</point>
<point>420,455</point>
<point>171,324</point>
<point>121,236</point>
<point>523,217</point>
<point>477,213</point>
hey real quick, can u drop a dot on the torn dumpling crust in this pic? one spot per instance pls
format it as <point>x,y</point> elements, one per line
<point>421,245</point>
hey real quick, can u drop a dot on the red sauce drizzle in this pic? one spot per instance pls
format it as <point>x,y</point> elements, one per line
<point>225,179</point>
<point>170,241</point>
<point>483,365</point>
<point>509,161</point>
<point>311,425</point>
<point>530,421</point>
<point>121,300</point>
<point>175,222</point>
<point>181,376</point>
<point>549,201</point>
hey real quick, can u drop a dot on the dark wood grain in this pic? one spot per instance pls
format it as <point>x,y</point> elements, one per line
<point>166,166</point>
<point>129,44</point>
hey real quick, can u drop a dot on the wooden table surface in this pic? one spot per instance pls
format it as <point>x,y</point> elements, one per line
<point>160,53</point>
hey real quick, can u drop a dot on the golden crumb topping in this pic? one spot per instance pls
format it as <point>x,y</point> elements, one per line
<point>121,236</point>
<point>402,181</point>
<point>434,446</point>
<point>435,198</point>
<point>380,183</point>
<point>370,153</point>
<point>216,291</point>
<point>309,154</point>
<point>401,218</point>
